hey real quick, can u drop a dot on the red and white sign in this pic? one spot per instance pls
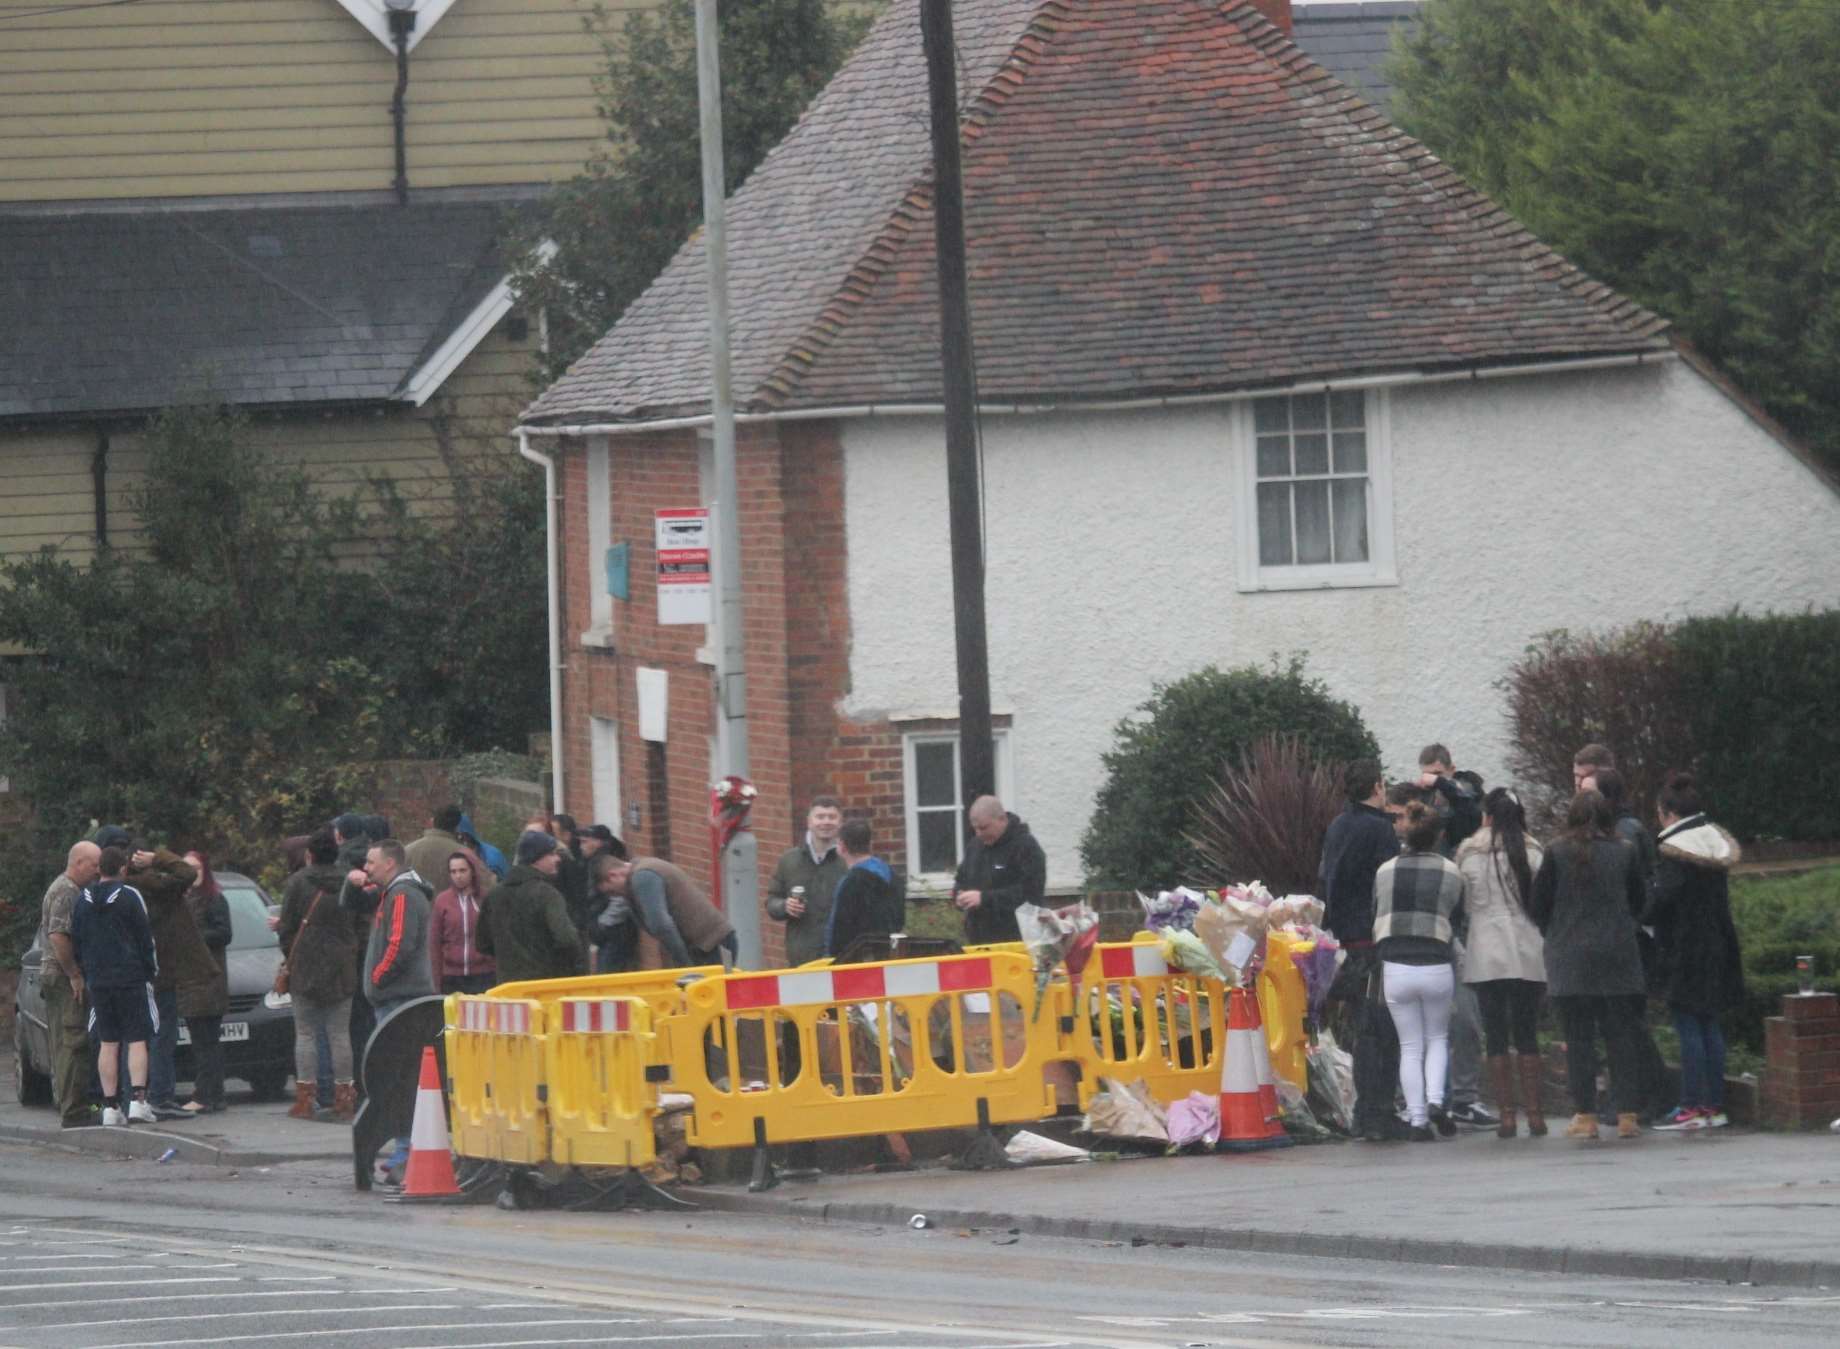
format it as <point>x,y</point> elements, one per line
<point>858,983</point>
<point>504,1018</point>
<point>682,538</point>
<point>1138,961</point>
<point>595,1017</point>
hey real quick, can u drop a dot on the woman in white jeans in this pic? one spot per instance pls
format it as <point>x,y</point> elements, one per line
<point>1416,899</point>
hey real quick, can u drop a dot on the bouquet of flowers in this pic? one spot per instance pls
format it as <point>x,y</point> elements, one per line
<point>1172,910</point>
<point>1057,938</point>
<point>1233,926</point>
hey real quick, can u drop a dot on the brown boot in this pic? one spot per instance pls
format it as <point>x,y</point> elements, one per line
<point>303,1101</point>
<point>1582,1126</point>
<point>1628,1125</point>
<point>344,1101</point>
<point>1530,1068</point>
<point>1502,1076</point>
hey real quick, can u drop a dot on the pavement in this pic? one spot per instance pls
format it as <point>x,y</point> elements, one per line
<point>1733,1206</point>
<point>1729,1206</point>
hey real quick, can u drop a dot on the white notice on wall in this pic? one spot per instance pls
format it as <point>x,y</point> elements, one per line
<point>683,566</point>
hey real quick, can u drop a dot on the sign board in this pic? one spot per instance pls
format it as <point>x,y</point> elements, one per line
<point>683,566</point>
<point>654,688</point>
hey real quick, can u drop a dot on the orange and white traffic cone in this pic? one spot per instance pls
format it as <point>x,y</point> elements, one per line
<point>1248,1091</point>
<point>430,1172</point>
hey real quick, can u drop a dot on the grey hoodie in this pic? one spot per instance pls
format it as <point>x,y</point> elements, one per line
<point>396,964</point>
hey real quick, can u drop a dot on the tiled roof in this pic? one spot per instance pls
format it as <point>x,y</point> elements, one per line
<point>1162,197</point>
<point>1352,41</point>
<point>126,311</point>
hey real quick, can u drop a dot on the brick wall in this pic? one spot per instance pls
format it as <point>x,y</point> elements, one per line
<point>406,792</point>
<point>1801,1086</point>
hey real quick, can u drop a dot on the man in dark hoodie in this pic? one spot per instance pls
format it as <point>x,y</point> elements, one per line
<point>1004,866</point>
<point>867,902</point>
<point>113,941</point>
<point>525,923</point>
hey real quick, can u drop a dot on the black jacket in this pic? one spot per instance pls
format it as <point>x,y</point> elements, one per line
<point>1586,896</point>
<point>1011,871</point>
<point>113,936</point>
<point>1461,808</point>
<point>1698,966</point>
<point>1358,843</point>
<point>868,901</point>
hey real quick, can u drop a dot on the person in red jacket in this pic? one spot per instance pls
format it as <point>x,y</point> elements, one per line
<point>458,965</point>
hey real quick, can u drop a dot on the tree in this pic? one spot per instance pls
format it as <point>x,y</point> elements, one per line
<point>1163,763</point>
<point>1680,150</point>
<point>616,224</point>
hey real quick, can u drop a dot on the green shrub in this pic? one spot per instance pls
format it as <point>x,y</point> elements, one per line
<point>1189,733</point>
<point>1750,702</point>
<point>1779,918</point>
<point>1764,702</point>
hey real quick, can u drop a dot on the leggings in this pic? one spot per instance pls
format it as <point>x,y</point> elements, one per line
<point>1419,997</point>
<point>1510,1014</point>
<point>311,1020</point>
<point>207,1059</point>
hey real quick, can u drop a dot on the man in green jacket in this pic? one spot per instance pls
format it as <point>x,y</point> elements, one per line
<point>805,882</point>
<point>524,923</point>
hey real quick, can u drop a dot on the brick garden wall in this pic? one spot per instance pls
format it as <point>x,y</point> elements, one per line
<point>1801,1084</point>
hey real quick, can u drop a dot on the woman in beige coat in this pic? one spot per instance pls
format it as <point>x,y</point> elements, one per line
<point>1504,957</point>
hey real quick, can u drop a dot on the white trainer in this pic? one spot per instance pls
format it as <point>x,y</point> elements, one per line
<point>111,1117</point>
<point>141,1113</point>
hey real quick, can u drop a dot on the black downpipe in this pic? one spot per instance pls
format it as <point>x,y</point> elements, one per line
<point>99,475</point>
<point>402,23</point>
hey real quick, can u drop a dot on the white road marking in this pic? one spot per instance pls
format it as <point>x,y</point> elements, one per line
<point>90,1269</point>
<point>225,1316</point>
<point>137,1283</point>
<point>180,1297</point>
<point>645,1339</point>
<point>357,1330</point>
<point>298,1278</point>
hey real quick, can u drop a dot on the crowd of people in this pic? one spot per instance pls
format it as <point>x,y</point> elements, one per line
<point>1457,924</point>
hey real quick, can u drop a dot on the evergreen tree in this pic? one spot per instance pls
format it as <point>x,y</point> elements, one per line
<point>1679,150</point>
<point>617,224</point>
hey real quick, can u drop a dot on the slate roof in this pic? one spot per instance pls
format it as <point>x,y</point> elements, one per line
<point>123,312</point>
<point>1352,41</point>
<point>1163,197</point>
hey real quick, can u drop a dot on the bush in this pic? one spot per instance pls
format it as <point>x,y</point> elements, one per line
<point>1779,918</point>
<point>1764,706</point>
<point>1265,818</point>
<point>1750,702</point>
<point>1621,689</point>
<point>1189,733</point>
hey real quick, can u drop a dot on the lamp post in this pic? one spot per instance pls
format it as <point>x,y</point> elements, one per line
<point>401,15</point>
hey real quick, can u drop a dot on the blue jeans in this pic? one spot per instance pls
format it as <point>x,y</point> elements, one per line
<point>1702,1060</point>
<point>162,1073</point>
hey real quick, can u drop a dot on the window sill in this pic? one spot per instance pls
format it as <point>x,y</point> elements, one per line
<point>598,639</point>
<point>1319,580</point>
<point>706,655</point>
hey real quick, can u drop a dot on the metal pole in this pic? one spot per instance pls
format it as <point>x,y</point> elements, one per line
<point>740,878</point>
<point>976,753</point>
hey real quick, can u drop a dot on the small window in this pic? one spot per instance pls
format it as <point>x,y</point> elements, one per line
<point>1317,509</point>
<point>936,828</point>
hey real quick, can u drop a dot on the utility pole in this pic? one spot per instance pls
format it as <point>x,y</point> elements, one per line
<point>976,753</point>
<point>740,879</point>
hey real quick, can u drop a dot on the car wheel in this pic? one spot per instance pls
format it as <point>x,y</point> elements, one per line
<point>269,1084</point>
<point>33,1086</point>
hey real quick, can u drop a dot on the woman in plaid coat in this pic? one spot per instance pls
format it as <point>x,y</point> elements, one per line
<point>1417,897</point>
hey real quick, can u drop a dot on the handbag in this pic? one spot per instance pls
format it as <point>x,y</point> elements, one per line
<point>281,972</point>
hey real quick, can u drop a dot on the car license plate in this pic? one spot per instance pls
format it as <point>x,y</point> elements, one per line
<point>231,1030</point>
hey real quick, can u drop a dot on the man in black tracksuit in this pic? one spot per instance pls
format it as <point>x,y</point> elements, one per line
<point>1003,867</point>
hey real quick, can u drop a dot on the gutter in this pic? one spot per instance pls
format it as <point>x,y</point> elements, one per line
<point>553,566</point>
<point>858,410</point>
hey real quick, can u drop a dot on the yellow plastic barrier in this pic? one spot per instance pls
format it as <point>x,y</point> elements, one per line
<point>1283,1003</point>
<point>661,989</point>
<point>601,1106</point>
<point>1136,1018</point>
<point>851,1050</point>
<point>496,1066</point>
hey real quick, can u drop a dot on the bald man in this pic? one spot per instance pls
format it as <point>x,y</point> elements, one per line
<point>1004,866</point>
<point>63,985</point>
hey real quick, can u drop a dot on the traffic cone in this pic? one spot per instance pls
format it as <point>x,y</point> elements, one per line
<point>1248,1091</point>
<point>430,1172</point>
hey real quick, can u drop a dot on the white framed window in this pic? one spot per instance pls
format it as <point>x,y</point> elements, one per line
<point>1315,509</point>
<point>600,542</point>
<point>936,828</point>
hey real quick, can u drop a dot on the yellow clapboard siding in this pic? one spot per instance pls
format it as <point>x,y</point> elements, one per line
<point>125,110</point>
<point>549,66</point>
<point>435,138</point>
<point>299,159</point>
<point>249,61</point>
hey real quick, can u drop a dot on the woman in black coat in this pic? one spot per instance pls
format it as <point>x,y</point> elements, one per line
<point>1699,967</point>
<point>1586,897</point>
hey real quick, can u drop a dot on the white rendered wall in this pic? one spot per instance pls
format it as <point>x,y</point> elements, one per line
<point>1521,505</point>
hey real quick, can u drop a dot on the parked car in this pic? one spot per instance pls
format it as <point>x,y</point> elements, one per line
<point>258,1038</point>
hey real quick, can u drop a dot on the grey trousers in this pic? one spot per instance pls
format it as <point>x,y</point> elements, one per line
<point>1465,1047</point>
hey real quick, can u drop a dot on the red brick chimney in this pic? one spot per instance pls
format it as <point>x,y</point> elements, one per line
<point>1278,12</point>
